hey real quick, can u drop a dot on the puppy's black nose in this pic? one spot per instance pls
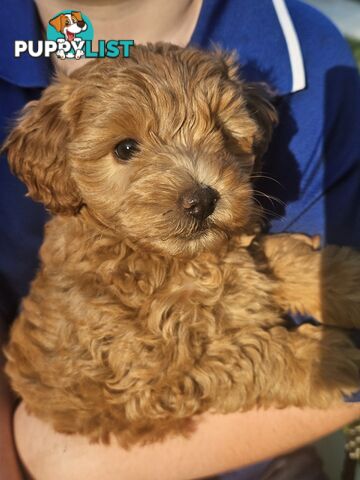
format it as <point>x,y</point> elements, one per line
<point>81,23</point>
<point>200,202</point>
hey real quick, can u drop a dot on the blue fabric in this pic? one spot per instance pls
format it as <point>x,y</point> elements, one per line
<point>314,155</point>
<point>22,23</point>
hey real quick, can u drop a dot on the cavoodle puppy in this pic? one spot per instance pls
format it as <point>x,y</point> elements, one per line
<point>156,299</point>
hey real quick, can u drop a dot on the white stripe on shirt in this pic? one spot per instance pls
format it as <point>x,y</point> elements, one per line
<point>293,45</point>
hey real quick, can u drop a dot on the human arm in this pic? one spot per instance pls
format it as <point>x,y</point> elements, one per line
<point>220,443</point>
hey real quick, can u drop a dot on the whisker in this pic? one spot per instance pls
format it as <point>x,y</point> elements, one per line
<point>270,213</point>
<point>271,198</point>
<point>267,177</point>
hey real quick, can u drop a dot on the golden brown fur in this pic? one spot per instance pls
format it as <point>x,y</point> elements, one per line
<point>141,317</point>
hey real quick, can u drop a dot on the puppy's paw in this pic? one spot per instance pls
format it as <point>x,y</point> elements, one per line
<point>314,241</point>
<point>288,242</point>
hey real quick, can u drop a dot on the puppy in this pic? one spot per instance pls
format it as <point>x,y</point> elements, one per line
<point>69,24</point>
<point>156,300</point>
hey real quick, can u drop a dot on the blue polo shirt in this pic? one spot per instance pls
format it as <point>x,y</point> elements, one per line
<point>315,152</point>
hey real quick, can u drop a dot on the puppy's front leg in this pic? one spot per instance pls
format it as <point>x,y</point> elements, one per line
<point>322,283</point>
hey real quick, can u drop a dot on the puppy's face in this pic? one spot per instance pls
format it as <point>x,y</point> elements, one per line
<point>159,147</point>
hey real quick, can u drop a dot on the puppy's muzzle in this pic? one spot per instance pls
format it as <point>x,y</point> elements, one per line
<point>199,202</point>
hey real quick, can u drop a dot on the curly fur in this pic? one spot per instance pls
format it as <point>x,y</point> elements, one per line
<point>141,317</point>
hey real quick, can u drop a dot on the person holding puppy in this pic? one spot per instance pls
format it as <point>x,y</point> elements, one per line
<point>316,121</point>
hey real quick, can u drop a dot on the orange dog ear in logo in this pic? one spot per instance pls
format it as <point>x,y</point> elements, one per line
<point>58,22</point>
<point>77,15</point>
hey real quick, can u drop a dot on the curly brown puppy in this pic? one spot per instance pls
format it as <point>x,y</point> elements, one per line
<point>152,303</point>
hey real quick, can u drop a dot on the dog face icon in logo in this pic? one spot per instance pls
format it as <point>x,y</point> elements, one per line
<point>69,25</point>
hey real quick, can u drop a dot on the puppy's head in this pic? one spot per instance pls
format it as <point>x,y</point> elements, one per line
<point>159,147</point>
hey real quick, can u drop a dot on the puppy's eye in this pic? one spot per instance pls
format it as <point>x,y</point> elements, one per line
<point>126,149</point>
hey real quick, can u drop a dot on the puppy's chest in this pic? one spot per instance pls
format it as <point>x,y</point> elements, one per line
<point>150,290</point>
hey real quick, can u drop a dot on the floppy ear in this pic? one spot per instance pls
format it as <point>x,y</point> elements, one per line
<point>230,62</point>
<point>37,151</point>
<point>260,104</point>
<point>77,15</point>
<point>57,22</point>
